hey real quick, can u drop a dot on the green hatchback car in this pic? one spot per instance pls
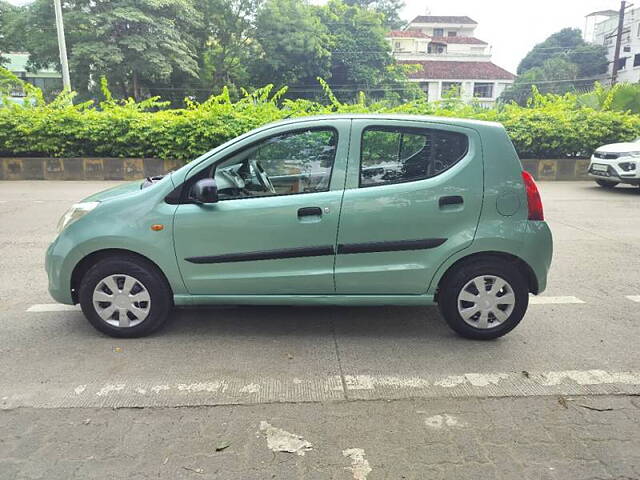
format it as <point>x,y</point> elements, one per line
<point>340,209</point>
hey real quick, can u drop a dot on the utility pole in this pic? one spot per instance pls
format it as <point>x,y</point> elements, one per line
<point>616,55</point>
<point>66,82</point>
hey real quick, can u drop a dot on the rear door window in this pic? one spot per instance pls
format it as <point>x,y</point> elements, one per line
<point>404,154</point>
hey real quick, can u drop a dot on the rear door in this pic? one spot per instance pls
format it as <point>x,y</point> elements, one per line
<point>413,197</point>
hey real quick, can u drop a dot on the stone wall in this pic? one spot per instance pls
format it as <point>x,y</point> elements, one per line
<point>83,168</point>
<point>136,168</point>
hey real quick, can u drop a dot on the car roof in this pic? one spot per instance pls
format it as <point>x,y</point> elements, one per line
<point>462,122</point>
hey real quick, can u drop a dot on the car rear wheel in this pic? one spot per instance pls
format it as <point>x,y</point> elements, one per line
<point>125,297</point>
<point>484,299</point>
<point>606,183</point>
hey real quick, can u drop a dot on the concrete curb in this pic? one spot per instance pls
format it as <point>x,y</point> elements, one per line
<point>135,168</point>
<point>164,391</point>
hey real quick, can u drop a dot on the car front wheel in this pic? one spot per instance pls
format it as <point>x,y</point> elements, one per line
<point>484,299</point>
<point>606,184</point>
<point>125,297</point>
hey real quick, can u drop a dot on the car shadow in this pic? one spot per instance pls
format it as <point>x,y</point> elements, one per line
<point>209,325</point>
<point>619,190</point>
<point>278,321</point>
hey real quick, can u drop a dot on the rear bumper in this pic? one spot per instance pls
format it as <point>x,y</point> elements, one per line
<point>538,252</point>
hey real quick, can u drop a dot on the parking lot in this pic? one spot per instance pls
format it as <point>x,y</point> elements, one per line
<point>384,392</point>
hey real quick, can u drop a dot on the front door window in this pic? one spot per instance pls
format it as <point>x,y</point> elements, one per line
<point>290,163</point>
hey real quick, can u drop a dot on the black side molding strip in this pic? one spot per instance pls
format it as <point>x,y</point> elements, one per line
<point>266,255</point>
<point>401,245</point>
<point>369,247</point>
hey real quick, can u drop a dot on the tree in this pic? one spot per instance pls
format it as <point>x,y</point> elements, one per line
<point>361,58</point>
<point>564,62</point>
<point>556,75</point>
<point>228,49</point>
<point>591,60</point>
<point>132,42</point>
<point>179,48</point>
<point>390,9</point>
<point>224,47</point>
<point>10,36</point>
<point>294,44</point>
<point>568,44</point>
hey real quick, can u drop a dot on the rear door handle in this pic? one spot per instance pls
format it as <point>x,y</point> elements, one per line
<point>451,200</point>
<point>309,212</point>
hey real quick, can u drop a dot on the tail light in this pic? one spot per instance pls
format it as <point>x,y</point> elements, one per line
<point>534,202</point>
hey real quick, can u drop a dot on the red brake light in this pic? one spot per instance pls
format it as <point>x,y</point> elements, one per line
<point>534,201</point>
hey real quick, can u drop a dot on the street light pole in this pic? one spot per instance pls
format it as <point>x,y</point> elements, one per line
<point>616,55</point>
<point>66,82</point>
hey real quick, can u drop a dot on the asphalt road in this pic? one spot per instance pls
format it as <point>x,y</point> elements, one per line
<point>579,339</point>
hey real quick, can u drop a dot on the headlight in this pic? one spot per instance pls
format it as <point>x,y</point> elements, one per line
<point>76,212</point>
<point>633,154</point>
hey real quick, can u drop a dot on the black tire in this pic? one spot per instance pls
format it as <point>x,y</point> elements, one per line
<point>161,296</point>
<point>606,183</point>
<point>456,280</point>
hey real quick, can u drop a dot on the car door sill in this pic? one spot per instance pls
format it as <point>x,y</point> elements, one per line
<point>345,300</point>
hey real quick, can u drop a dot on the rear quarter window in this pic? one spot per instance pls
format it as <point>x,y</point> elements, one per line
<point>404,154</point>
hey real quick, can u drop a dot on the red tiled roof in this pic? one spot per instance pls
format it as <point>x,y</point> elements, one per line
<point>451,70</point>
<point>461,40</point>
<point>443,19</point>
<point>406,34</point>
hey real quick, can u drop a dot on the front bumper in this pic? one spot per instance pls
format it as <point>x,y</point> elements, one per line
<point>58,263</point>
<point>612,171</point>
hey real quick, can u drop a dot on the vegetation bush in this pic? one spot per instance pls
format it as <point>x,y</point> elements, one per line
<point>549,126</point>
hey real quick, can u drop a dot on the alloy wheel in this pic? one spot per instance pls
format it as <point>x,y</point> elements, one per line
<point>486,301</point>
<point>121,300</point>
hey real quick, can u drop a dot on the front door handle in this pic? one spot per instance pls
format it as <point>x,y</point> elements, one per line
<point>451,200</point>
<point>309,212</point>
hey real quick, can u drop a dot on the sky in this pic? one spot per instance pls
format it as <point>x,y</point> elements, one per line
<point>512,27</point>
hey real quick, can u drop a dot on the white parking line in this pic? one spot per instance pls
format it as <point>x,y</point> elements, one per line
<point>634,298</point>
<point>554,300</point>
<point>53,307</point>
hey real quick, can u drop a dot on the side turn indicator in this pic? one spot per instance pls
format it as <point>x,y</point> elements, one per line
<point>157,227</point>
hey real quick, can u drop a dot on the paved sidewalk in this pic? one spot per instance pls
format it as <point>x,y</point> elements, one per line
<point>550,437</point>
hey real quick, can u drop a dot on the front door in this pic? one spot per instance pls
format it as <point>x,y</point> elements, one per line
<point>412,198</point>
<point>274,228</point>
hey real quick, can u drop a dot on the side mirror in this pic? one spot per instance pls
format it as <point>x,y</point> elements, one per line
<point>205,191</point>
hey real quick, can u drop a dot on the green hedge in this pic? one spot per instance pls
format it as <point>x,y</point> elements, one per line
<point>550,127</point>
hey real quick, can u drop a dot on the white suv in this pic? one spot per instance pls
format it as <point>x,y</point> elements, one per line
<point>616,163</point>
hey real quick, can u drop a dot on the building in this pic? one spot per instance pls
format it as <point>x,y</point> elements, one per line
<point>48,79</point>
<point>451,60</point>
<point>593,19</point>
<point>604,33</point>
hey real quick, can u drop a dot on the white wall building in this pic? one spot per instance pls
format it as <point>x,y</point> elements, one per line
<point>450,58</point>
<point>604,33</point>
